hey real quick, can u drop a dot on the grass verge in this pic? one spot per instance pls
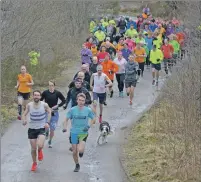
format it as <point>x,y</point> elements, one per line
<point>154,152</point>
<point>61,72</point>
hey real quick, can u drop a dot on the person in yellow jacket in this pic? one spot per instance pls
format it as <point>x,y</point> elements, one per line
<point>100,35</point>
<point>33,55</point>
<point>131,32</point>
<point>156,57</point>
<point>92,26</point>
<point>105,22</point>
<point>157,40</point>
<point>112,21</point>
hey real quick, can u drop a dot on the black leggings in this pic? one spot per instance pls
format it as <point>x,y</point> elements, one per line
<point>120,81</point>
<point>148,59</point>
<point>141,69</point>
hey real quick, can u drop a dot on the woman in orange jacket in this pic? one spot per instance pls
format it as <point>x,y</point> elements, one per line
<point>109,68</point>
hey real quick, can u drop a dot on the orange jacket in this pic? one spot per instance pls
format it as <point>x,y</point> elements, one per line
<point>109,65</point>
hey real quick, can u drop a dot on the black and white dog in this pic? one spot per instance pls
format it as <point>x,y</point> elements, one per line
<point>105,129</point>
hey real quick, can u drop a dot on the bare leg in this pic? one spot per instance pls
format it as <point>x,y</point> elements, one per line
<point>33,143</point>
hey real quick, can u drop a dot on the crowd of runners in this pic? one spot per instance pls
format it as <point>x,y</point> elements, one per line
<point>116,49</point>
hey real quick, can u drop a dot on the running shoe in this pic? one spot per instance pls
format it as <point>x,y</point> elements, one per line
<point>50,143</point>
<point>71,149</point>
<point>19,117</point>
<point>122,94</point>
<point>40,155</point>
<point>157,84</point>
<point>138,80</point>
<point>34,166</point>
<point>100,119</point>
<point>77,168</point>
<point>131,103</point>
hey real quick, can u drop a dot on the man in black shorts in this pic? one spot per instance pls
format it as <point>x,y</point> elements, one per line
<point>156,57</point>
<point>131,68</point>
<point>38,124</point>
<point>98,85</point>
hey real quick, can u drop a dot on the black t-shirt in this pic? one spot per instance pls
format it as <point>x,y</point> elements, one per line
<point>52,98</point>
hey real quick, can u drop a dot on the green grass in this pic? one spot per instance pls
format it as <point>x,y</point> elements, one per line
<point>60,71</point>
<point>151,153</point>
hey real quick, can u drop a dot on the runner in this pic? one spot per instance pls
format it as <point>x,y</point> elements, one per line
<point>101,55</point>
<point>72,94</point>
<point>149,42</point>
<point>86,55</point>
<point>38,111</point>
<point>131,77</point>
<point>51,97</point>
<point>109,68</point>
<point>168,51</point>
<point>24,83</point>
<point>120,44</point>
<point>93,66</point>
<point>120,74</point>
<point>98,86</point>
<point>140,55</point>
<point>79,116</point>
<point>131,44</point>
<point>84,68</point>
<point>126,52</point>
<point>81,76</point>
<point>175,44</point>
<point>131,32</point>
<point>156,57</point>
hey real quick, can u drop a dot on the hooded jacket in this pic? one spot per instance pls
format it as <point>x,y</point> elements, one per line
<point>131,71</point>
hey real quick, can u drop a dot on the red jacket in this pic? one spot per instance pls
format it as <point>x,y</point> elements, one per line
<point>167,50</point>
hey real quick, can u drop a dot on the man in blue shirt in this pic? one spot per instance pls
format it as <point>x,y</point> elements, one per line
<point>79,116</point>
<point>149,42</point>
<point>153,26</point>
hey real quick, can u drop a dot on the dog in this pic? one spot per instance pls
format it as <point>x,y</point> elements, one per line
<point>105,129</point>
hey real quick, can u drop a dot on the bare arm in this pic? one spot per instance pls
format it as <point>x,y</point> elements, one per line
<point>48,110</point>
<point>30,83</point>
<point>18,83</point>
<point>91,80</point>
<point>109,82</point>
<point>65,123</point>
<point>24,116</point>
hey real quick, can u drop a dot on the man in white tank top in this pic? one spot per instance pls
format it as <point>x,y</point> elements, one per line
<point>38,123</point>
<point>98,86</point>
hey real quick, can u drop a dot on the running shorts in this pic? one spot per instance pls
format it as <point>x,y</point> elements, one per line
<point>157,66</point>
<point>100,96</point>
<point>129,84</point>
<point>77,138</point>
<point>34,133</point>
<point>25,96</point>
<point>54,120</point>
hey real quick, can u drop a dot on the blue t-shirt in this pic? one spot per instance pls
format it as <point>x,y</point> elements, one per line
<point>79,118</point>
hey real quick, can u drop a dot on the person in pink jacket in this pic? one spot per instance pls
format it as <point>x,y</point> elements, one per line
<point>131,44</point>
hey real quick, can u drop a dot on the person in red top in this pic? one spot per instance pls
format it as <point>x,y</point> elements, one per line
<point>89,43</point>
<point>102,54</point>
<point>180,39</point>
<point>168,51</point>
